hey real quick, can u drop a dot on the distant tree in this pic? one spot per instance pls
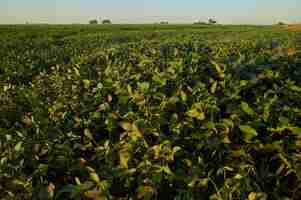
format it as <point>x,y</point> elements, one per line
<point>212,21</point>
<point>106,21</point>
<point>164,22</point>
<point>200,23</point>
<point>281,23</point>
<point>93,21</point>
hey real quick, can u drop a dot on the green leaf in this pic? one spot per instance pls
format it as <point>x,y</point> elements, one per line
<point>173,100</point>
<point>284,121</point>
<point>199,182</point>
<point>95,177</point>
<point>167,170</point>
<point>159,80</point>
<point>213,87</point>
<point>248,132</point>
<point>69,189</point>
<point>95,195</point>
<point>183,95</point>
<point>228,122</point>
<point>87,84</point>
<point>88,134</point>
<point>129,89</point>
<point>295,88</point>
<point>194,113</point>
<point>126,126</point>
<point>296,130</point>
<point>247,109</point>
<point>144,86</point>
<point>218,69</point>
<point>76,71</point>
<point>238,176</point>
<point>124,157</point>
<point>18,146</point>
<point>145,192</point>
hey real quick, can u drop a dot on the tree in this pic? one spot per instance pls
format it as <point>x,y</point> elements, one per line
<point>212,21</point>
<point>106,21</point>
<point>200,23</point>
<point>164,22</point>
<point>93,21</point>
<point>281,23</point>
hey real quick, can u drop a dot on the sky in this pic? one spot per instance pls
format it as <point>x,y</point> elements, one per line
<point>150,11</point>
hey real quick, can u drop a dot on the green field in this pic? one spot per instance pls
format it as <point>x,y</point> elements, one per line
<point>182,112</point>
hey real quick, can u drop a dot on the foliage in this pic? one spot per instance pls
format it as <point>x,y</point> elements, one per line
<point>281,23</point>
<point>164,22</point>
<point>180,113</point>
<point>106,21</point>
<point>93,21</point>
<point>212,21</point>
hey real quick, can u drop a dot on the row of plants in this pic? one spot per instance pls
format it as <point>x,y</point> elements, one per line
<point>151,115</point>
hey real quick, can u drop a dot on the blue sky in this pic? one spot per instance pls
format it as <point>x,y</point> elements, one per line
<point>148,11</point>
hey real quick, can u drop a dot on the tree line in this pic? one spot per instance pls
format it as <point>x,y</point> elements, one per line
<point>108,21</point>
<point>105,21</point>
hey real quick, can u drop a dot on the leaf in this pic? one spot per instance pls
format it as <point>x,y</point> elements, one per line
<point>228,122</point>
<point>129,89</point>
<point>104,185</point>
<point>167,170</point>
<point>248,132</point>
<point>194,113</point>
<point>88,134</point>
<point>284,121</point>
<point>99,86</point>
<point>156,149</point>
<point>213,87</point>
<point>173,100</point>
<point>176,149</point>
<point>95,177</point>
<point>50,189</point>
<point>144,86</point>
<point>226,140</point>
<point>142,191</point>
<point>295,88</point>
<point>252,196</point>
<point>18,146</point>
<point>76,71</point>
<point>27,120</point>
<point>126,126</point>
<point>238,176</point>
<point>296,130</point>
<point>102,107</point>
<point>228,168</point>
<point>68,189</point>
<point>219,69</point>
<point>6,87</point>
<point>95,195</point>
<point>247,109</point>
<point>183,95</point>
<point>199,182</point>
<point>124,157</point>
<point>77,181</point>
<point>110,98</point>
<point>291,51</point>
<point>87,84</point>
<point>159,80</point>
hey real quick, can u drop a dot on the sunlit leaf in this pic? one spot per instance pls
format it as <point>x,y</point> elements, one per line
<point>194,113</point>
<point>247,109</point>
<point>248,132</point>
